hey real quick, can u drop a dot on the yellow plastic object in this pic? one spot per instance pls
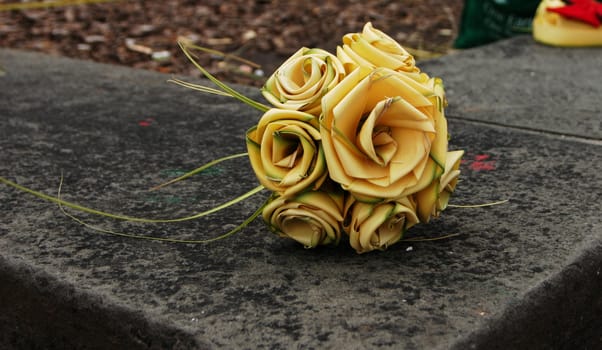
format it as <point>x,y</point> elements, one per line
<point>553,29</point>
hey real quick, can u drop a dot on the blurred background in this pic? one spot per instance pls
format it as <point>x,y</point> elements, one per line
<point>144,34</point>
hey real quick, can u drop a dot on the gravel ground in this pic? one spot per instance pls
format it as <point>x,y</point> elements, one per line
<point>144,34</point>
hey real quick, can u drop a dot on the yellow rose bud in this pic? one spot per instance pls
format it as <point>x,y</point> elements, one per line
<point>303,79</point>
<point>285,152</point>
<point>384,134</point>
<point>377,226</point>
<point>310,218</point>
<point>432,200</point>
<point>372,49</point>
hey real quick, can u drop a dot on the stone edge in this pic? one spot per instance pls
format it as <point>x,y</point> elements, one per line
<point>39,311</point>
<point>561,312</point>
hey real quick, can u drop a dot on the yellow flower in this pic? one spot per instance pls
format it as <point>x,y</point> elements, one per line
<point>432,200</point>
<point>311,218</point>
<point>285,152</point>
<point>303,79</point>
<point>372,49</point>
<point>384,134</point>
<point>377,226</point>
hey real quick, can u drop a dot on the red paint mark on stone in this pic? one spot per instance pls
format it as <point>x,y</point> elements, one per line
<point>480,162</point>
<point>483,166</point>
<point>146,122</point>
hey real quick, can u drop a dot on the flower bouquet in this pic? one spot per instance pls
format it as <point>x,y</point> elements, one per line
<point>353,143</point>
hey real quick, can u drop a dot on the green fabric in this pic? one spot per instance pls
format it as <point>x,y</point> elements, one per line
<point>484,21</point>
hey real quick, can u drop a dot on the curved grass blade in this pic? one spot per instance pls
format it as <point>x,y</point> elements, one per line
<point>125,217</point>
<point>423,239</point>
<point>222,54</point>
<point>197,87</point>
<point>198,170</point>
<point>238,228</point>
<point>478,205</point>
<point>257,105</point>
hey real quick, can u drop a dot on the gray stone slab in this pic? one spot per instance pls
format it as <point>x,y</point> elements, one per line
<point>517,82</point>
<point>525,274</point>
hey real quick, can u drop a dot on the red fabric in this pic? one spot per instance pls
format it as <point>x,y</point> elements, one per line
<point>587,11</point>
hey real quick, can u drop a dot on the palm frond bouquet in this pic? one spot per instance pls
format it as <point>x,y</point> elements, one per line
<point>353,143</point>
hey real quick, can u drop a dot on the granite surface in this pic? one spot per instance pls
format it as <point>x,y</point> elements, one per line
<point>525,274</point>
<point>519,83</point>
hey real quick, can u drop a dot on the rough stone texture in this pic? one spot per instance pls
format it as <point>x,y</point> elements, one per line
<point>523,84</point>
<point>525,274</point>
